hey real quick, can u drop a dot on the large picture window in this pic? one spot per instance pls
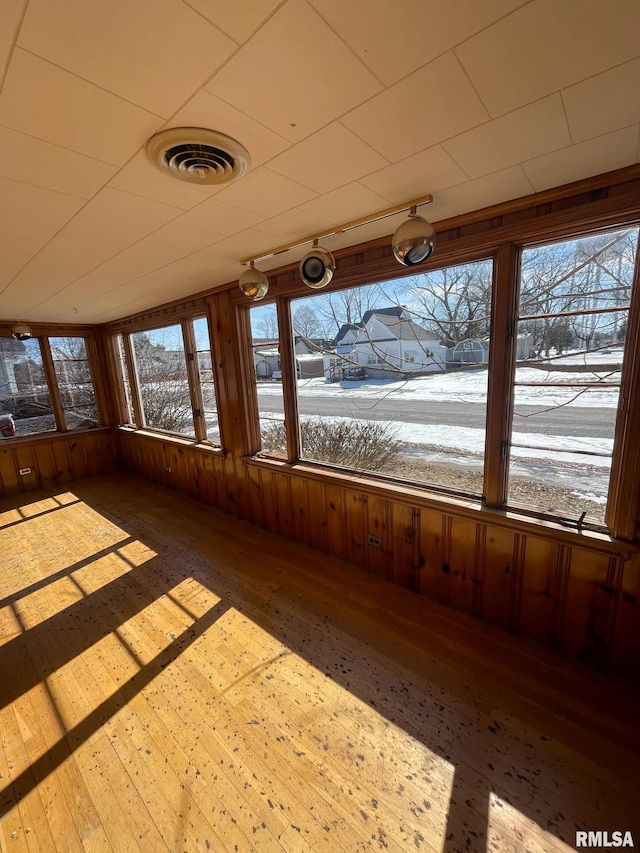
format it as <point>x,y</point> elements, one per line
<point>572,325</point>
<point>392,378</point>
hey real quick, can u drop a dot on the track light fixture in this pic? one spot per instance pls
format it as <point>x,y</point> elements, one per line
<point>253,283</point>
<point>414,240</point>
<point>412,244</point>
<point>317,267</point>
<point>21,332</point>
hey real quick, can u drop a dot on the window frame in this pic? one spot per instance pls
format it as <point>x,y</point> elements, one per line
<point>505,252</point>
<point>42,335</point>
<point>185,322</point>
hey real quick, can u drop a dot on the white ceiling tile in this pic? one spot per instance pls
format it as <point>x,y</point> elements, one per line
<point>94,252</point>
<point>426,172</point>
<point>395,37</point>
<point>602,154</point>
<point>139,177</point>
<point>206,110</point>
<point>15,252</point>
<point>329,159</point>
<point>237,18</point>
<point>32,161</point>
<point>206,224</point>
<point>265,192</point>
<point>352,201</point>
<point>306,75</point>
<point>45,274</point>
<point>233,249</point>
<point>21,224</point>
<point>107,40</point>
<point>11,12</point>
<point>529,132</point>
<point>606,102</point>
<point>51,104</point>
<point>490,189</point>
<point>17,197</point>
<point>429,106</point>
<point>548,45</point>
<point>114,274</point>
<point>120,218</point>
<point>293,225</point>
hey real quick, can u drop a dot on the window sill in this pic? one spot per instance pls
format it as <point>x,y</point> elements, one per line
<point>465,507</point>
<point>54,435</point>
<point>171,438</point>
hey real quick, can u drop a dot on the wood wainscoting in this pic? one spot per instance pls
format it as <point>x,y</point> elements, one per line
<point>54,458</point>
<point>575,592</point>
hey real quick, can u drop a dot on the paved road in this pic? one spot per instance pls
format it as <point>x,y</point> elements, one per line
<point>582,421</point>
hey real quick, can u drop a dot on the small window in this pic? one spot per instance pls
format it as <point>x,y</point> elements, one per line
<point>25,403</point>
<point>124,378</point>
<point>268,371</point>
<point>77,394</point>
<point>161,371</point>
<point>204,364</point>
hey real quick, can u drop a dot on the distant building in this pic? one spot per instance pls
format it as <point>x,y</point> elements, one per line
<point>386,343</point>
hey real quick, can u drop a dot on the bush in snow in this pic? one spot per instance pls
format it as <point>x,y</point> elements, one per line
<point>368,445</point>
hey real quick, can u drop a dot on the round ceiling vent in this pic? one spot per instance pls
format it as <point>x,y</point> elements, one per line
<point>198,155</point>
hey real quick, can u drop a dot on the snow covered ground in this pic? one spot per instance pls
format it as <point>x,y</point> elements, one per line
<point>465,446</point>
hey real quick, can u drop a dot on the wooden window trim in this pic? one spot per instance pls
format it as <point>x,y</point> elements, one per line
<point>52,382</point>
<point>193,378</point>
<point>500,393</point>
<point>289,379</point>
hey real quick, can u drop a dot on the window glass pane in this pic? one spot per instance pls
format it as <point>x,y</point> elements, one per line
<point>574,300</point>
<point>124,377</point>
<point>77,395</point>
<point>392,378</point>
<point>162,378</point>
<point>205,374</point>
<point>25,404</point>
<point>266,359</point>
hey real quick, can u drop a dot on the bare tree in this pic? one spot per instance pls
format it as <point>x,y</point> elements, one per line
<point>164,387</point>
<point>454,302</point>
<point>346,307</point>
<point>306,322</point>
<point>267,325</point>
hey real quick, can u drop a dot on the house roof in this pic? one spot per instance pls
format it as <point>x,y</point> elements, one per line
<point>395,318</point>
<point>345,109</point>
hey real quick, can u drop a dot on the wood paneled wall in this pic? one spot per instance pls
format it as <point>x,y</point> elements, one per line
<point>577,594</point>
<point>55,458</point>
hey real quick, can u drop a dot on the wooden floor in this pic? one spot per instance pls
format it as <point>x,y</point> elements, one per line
<point>172,679</point>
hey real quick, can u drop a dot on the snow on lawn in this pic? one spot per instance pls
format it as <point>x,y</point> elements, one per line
<point>471,441</point>
<point>464,387</point>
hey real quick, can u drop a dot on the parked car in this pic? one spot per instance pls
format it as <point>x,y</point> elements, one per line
<point>7,426</point>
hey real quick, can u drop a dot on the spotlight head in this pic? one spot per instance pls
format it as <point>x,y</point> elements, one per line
<point>253,283</point>
<point>317,268</point>
<point>413,241</point>
<point>21,332</point>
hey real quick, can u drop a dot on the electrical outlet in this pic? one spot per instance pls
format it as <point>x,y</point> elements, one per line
<point>24,471</point>
<point>374,540</point>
